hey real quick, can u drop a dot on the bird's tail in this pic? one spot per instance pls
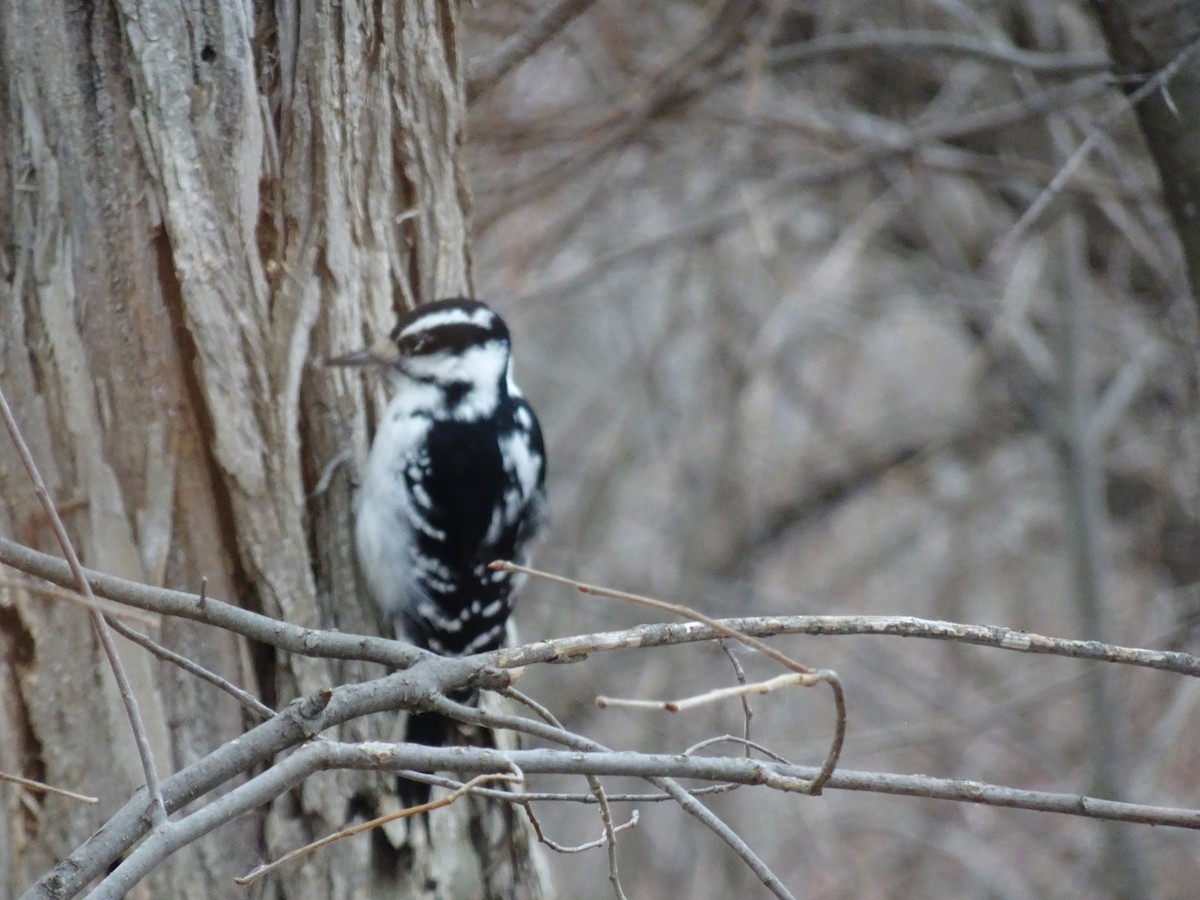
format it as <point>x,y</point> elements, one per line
<point>432,730</point>
<point>436,730</point>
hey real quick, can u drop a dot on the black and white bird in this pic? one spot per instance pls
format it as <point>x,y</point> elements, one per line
<point>455,480</point>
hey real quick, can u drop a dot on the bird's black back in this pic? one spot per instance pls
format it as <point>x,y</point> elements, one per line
<point>463,473</point>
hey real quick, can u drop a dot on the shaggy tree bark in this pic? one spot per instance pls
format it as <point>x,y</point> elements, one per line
<point>196,209</point>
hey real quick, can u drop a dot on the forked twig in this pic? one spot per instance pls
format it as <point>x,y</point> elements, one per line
<point>610,832</point>
<point>601,841</point>
<point>668,785</point>
<point>811,676</point>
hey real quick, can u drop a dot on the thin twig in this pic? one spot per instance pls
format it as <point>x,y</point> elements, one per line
<point>740,674</point>
<point>709,697</point>
<point>923,43</point>
<point>200,608</point>
<point>610,834</point>
<point>668,785</point>
<point>684,612</point>
<point>814,676</point>
<point>465,788</point>
<point>734,739</point>
<point>687,229</point>
<point>44,788</point>
<point>999,637</point>
<point>540,709</point>
<point>1156,82</point>
<point>263,745</point>
<point>1120,393</point>
<point>248,700</point>
<point>586,799</point>
<point>551,18</point>
<point>668,88</point>
<point>346,455</point>
<point>158,810</point>
<point>59,593</point>
<point>601,841</point>
<point>717,825</point>
<point>597,790</point>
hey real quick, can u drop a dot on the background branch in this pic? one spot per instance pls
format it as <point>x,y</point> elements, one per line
<point>99,622</point>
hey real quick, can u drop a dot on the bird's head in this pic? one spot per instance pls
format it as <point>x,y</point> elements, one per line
<point>460,346</point>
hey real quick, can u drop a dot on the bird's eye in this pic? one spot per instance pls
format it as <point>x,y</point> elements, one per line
<point>420,343</point>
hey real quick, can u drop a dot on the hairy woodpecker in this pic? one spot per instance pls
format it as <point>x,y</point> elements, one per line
<point>455,480</point>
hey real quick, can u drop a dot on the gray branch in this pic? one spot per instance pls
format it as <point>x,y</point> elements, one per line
<point>428,678</point>
<point>324,755</point>
<point>548,21</point>
<point>338,645</point>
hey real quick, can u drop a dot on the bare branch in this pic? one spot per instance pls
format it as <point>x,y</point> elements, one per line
<point>669,786</point>
<point>597,789</point>
<point>30,784</point>
<point>736,769</point>
<point>339,645</point>
<point>316,714</point>
<point>1121,392</point>
<point>157,809</point>
<point>550,18</point>
<point>199,608</point>
<point>55,592</point>
<point>461,790</point>
<point>698,810</point>
<point>812,676</point>
<point>709,697</point>
<point>245,698</point>
<point>1157,82</point>
<point>734,739</point>
<point>565,650</point>
<point>603,840</point>
<point>676,609</point>
<point>427,684</point>
<point>740,673</point>
<point>896,40</point>
<point>918,141</point>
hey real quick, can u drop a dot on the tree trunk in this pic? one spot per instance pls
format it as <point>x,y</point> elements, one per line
<point>197,209</point>
<point>1144,37</point>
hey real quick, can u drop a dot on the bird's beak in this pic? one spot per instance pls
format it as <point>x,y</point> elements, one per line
<point>381,354</point>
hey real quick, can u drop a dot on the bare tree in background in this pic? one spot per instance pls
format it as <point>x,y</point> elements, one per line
<point>1156,37</point>
<point>878,308</point>
<point>845,307</point>
<point>196,207</point>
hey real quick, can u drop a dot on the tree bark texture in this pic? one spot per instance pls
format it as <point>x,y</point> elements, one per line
<point>196,208</point>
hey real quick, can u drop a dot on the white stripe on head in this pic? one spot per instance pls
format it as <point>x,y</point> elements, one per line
<point>480,316</point>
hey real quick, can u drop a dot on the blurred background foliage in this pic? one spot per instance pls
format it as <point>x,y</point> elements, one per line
<point>810,333</point>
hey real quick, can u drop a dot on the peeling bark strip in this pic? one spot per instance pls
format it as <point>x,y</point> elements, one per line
<point>197,204</point>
